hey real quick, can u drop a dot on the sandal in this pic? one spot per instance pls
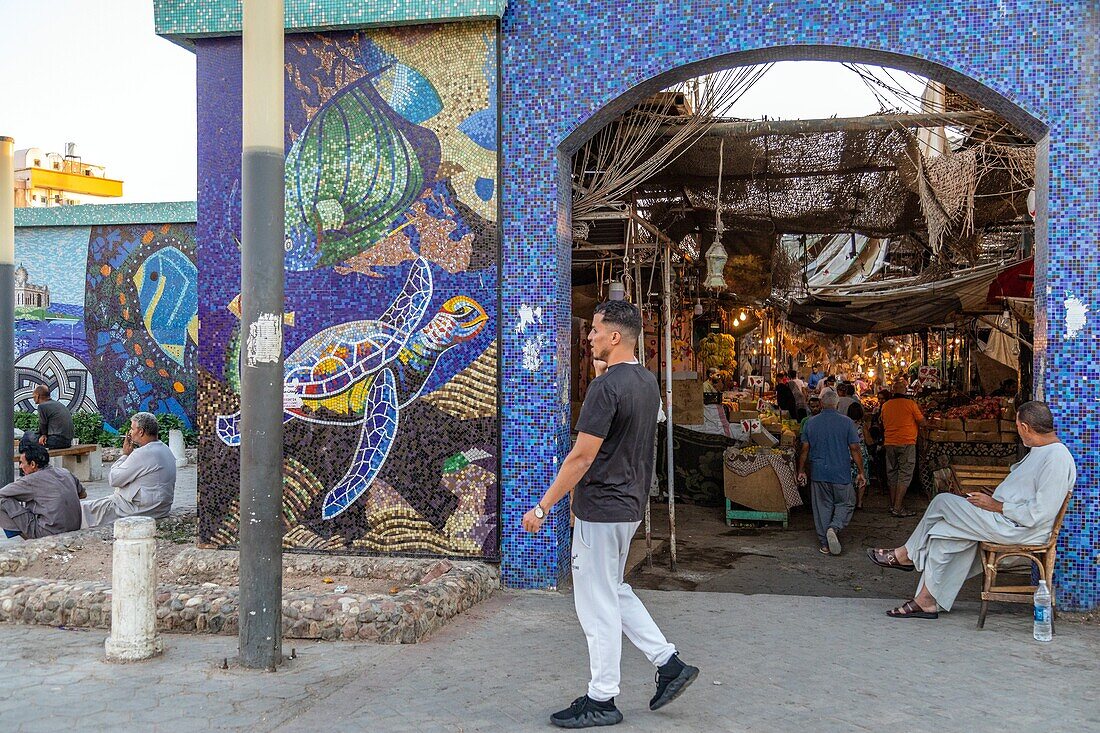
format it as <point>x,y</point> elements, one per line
<point>901,513</point>
<point>824,550</point>
<point>910,609</point>
<point>887,559</point>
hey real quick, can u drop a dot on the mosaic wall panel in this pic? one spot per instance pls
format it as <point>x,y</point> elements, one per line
<point>391,427</point>
<point>107,317</point>
<point>568,68</point>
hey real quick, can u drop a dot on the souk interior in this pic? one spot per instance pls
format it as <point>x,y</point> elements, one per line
<point>858,251</point>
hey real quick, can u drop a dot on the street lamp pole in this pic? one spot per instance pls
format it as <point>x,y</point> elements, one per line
<point>262,307</point>
<point>7,302</point>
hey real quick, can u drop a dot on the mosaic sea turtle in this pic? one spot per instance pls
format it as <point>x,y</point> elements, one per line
<point>366,371</point>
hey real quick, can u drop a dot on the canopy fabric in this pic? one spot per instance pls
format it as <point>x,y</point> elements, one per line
<point>1017,281</point>
<point>896,306</point>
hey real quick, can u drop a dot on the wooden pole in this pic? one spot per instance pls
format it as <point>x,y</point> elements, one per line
<point>757,128</point>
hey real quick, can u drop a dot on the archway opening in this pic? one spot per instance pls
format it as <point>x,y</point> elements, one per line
<point>893,240</point>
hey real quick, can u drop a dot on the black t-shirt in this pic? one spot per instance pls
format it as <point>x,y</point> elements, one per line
<point>620,407</point>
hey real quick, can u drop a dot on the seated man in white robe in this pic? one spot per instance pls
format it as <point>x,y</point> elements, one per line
<point>143,479</point>
<point>1022,510</point>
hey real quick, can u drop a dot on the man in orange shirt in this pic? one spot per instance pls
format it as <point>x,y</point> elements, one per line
<point>900,419</point>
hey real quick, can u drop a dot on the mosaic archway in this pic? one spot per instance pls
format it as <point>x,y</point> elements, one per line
<point>1026,64</point>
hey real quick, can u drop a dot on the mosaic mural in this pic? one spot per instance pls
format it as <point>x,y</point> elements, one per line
<point>390,410</point>
<point>111,319</point>
<point>568,69</point>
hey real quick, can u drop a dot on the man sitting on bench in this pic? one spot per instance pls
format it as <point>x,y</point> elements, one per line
<point>55,423</point>
<point>143,479</point>
<point>44,501</point>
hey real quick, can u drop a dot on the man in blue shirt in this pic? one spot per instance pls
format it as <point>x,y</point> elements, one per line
<point>815,376</point>
<point>831,443</point>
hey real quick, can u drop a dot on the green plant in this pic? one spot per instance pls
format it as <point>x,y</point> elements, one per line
<point>87,426</point>
<point>26,420</point>
<point>109,439</point>
<point>169,421</point>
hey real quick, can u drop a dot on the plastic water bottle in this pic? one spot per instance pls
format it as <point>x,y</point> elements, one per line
<point>1042,631</point>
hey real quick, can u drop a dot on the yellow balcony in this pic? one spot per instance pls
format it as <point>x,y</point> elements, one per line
<point>74,183</point>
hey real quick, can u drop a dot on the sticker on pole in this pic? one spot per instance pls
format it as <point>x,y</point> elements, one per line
<point>291,401</point>
<point>265,340</point>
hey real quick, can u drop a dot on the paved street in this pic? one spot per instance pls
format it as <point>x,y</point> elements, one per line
<point>770,663</point>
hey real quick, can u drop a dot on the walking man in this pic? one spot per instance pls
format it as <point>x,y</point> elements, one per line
<point>901,417</point>
<point>611,467</point>
<point>831,443</point>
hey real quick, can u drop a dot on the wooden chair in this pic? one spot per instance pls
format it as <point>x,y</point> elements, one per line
<point>1041,555</point>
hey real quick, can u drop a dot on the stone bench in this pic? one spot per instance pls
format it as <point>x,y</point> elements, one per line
<point>84,461</point>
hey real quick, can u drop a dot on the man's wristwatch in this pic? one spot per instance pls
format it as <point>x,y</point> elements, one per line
<point>540,513</point>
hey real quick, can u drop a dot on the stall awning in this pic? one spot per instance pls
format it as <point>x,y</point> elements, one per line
<point>897,306</point>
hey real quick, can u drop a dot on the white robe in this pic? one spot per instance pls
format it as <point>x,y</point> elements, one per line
<point>144,485</point>
<point>944,546</point>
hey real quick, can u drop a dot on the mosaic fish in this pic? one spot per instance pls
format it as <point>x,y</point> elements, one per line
<point>364,372</point>
<point>409,93</point>
<point>167,286</point>
<point>348,176</point>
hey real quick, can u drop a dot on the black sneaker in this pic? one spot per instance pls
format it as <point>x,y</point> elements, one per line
<point>672,678</point>
<point>587,713</point>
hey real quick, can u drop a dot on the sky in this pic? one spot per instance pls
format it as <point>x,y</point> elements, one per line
<point>94,73</point>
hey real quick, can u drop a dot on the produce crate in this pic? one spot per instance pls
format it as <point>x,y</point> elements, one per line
<point>759,490</point>
<point>1008,426</point>
<point>994,437</point>
<point>947,436</point>
<point>984,425</point>
<point>966,479</point>
<point>951,423</point>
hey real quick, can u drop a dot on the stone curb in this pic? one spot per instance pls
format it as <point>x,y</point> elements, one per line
<point>445,589</point>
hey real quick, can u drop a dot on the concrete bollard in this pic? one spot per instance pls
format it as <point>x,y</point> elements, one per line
<point>133,591</point>
<point>176,445</point>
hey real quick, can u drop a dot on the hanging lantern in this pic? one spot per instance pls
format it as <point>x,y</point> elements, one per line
<point>716,256</point>
<point>617,291</point>
<point>698,307</point>
<point>716,264</point>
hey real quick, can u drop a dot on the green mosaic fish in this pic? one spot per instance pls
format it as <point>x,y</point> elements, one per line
<point>348,176</point>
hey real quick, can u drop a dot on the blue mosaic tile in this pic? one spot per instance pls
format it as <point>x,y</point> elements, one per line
<point>189,19</point>
<point>171,212</point>
<point>568,68</point>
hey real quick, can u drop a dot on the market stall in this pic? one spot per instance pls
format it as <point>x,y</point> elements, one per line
<point>959,431</point>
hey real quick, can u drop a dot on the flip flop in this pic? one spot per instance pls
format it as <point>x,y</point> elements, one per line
<point>902,513</point>
<point>887,559</point>
<point>910,609</point>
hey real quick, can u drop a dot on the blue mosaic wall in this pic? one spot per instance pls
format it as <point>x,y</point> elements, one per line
<point>120,332</point>
<point>570,67</point>
<point>390,329</point>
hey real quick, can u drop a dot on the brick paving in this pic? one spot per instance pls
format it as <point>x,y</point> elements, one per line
<point>784,663</point>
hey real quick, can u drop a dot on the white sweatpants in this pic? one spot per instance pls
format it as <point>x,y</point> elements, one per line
<point>607,607</point>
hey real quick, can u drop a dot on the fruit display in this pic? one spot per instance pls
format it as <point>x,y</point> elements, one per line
<point>981,408</point>
<point>718,350</point>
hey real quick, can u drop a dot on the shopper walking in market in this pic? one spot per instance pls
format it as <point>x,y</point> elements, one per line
<point>901,419</point>
<point>611,466</point>
<point>830,444</point>
<point>1021,511</point>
